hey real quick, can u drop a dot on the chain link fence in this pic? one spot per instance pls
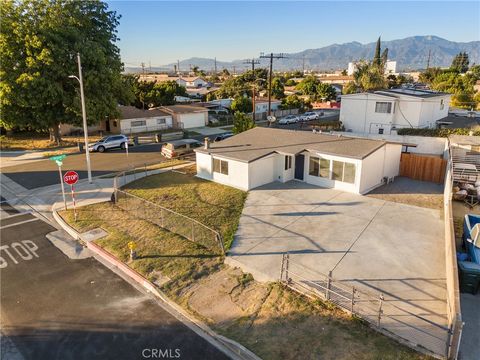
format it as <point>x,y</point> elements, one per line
<point>394,320</point>
<point>190,229</point>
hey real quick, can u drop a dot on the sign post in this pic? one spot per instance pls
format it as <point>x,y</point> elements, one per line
<point>59,161</point>
<point>126,147</point>
<point>71,178</point>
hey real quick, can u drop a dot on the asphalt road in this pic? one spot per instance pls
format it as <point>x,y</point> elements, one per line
<point>57,308</point>
<point>45,172</point>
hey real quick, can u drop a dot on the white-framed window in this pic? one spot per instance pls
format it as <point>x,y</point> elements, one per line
<point>383,107</point>
<point>332,169</point>
<point>138,123</point>
<point>220,166</point>
<point>319,167</point>
<point>288,162</point>
<point>161,121</point>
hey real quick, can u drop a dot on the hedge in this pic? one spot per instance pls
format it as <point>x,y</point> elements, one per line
<point>437,132</point>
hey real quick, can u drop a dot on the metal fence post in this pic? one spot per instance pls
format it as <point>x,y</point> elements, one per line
<point>380,311</point>
<point>287,265</point>
<point>353,298</point>
<point>282,267</point>
<point>329,284</point>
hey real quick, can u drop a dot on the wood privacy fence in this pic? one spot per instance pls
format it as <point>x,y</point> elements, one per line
<point>422,167</point>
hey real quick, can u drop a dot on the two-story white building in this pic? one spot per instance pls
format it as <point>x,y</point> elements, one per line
<point>380,112</point>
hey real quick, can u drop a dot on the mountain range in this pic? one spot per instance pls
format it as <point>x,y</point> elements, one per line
<point>410,53</point>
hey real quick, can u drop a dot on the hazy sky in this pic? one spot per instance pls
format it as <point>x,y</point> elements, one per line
<point>161,32</point>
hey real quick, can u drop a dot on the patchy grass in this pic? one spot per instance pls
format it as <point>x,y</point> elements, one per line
<point>269,319</point>
<point>217,206</point>
<point>159,251</point>
<point>39,142</point>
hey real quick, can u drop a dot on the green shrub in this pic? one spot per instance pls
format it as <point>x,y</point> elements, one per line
<point>437,132</point>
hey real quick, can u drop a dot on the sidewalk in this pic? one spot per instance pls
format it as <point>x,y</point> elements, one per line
<point>19,157</point>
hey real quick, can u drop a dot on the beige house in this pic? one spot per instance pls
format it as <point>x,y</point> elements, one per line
<point>187,116</point>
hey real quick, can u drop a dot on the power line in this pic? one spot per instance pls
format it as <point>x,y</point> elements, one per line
<point>271,56</point>
<point>253,62</point>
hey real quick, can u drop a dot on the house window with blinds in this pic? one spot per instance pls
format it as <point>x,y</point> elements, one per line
<point>220,166</point>
<point>383,107</point>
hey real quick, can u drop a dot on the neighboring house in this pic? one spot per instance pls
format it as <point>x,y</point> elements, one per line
<point>187,116</point>
<point>133,120</point>
<point>390,67</point>
<point>186,81</point>
<point>337,79</point>
<point>380,112</point>
<point>261,105</point>
<point>263,155</point>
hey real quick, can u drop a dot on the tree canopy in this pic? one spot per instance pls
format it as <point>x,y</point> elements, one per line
<point>278,89</point>
<point>295,102</point>
<point>147,94</point>
<point>39,40</point>
<point>460,62</point>
<point>242,104</point>
<point>316,90</point>
<point>242,122</point>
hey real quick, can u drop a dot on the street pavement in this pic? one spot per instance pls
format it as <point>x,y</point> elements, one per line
<point>41,173</point>
<point>54,307</point>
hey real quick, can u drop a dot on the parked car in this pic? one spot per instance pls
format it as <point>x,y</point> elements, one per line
<point>176,148</point>
<point>109,142</point>
<point>309,116</point>
<point>223,136</point>
<point>289,119</point>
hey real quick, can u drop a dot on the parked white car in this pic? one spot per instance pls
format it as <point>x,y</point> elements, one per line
<point>309,116</point>
<point>109,142</point>
<point>289,119</point>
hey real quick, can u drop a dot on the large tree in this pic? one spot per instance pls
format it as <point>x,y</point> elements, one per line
<point>242,122</point>
<point>39,40</point>
<point>460,62</point>
<point>278,90</point>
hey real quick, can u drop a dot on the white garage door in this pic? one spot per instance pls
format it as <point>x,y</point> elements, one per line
<point>192,120</point>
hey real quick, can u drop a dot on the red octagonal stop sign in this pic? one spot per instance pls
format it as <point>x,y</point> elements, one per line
<point>70,177</point>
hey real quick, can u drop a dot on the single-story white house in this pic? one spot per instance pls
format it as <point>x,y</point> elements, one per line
<point>263,155</point>
<point>382,111</point>
<point>133,120</point>
<point>261,105</point>
<point>187,116</point>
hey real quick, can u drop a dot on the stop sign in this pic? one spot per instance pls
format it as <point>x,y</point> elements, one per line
<point>70,177</point>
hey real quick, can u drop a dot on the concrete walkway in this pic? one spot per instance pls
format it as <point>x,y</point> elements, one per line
<point>377,246</point>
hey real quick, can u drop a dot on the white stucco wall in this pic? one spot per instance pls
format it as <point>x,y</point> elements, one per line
<point>357,112</point>
<point>425,144</point>
<point>237,171</point>
<point>204,166</point>
<point>151,124</point>
<point>262,171</point>
<point>192,120</point>
<point>281,174</point>
<point>383,162</point>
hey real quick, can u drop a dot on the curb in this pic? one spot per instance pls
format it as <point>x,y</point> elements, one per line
<point>229,347</point>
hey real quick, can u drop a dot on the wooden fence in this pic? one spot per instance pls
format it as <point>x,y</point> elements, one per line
<point>423,167</point>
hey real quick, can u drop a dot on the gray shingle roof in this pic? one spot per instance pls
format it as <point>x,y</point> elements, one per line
<point>131,112</point>
<point>259,142</point>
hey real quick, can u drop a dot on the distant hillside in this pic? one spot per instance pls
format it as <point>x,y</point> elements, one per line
<point>410,53</point>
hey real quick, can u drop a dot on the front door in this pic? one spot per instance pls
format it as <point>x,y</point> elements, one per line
<point>299,166</point>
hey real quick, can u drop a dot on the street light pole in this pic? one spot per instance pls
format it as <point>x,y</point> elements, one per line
<point>84,116</point>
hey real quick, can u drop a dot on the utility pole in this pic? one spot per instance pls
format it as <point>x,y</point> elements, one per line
<point>178,67</point>
<point>150,66</point>
<point>253,62</point>
<point>215,66</point>
<point>143,69</point>
<point>428,60</point>
<point>271,56</point>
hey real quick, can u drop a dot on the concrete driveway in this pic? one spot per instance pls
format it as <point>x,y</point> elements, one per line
<point>377,246</point>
